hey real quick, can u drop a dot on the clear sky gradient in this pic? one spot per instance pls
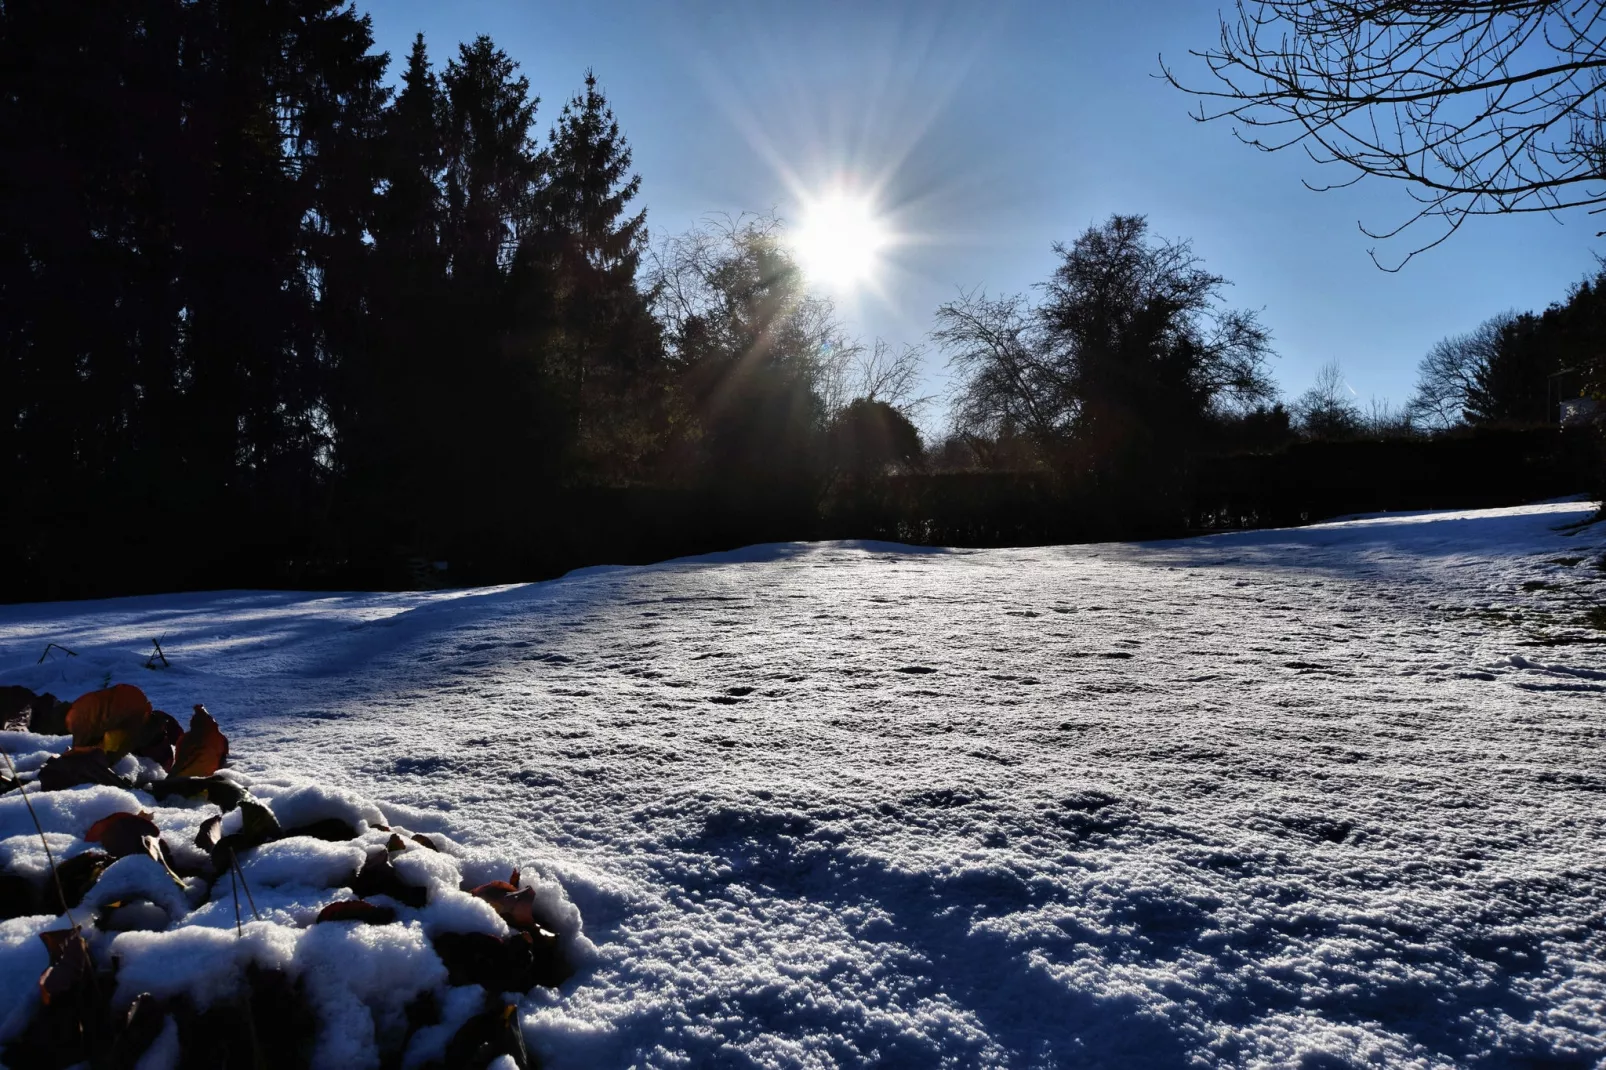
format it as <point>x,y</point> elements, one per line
<point>992,130</point>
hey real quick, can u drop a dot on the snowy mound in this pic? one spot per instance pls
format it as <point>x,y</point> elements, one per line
<point>155,913</point>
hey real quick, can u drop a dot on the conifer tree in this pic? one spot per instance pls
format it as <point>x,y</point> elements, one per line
<point>602,344</point>
<point>389,445</point>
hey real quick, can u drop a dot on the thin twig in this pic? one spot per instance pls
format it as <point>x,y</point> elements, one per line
<point>49,857</point>
<point>238,932</point>
<point>54,646</point>
<point>247,887</point>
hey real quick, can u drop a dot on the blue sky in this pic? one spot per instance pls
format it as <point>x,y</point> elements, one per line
<point>993,130</point>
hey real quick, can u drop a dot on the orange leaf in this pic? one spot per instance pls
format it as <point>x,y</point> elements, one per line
<point>202,750</point>
<point>117,720</point>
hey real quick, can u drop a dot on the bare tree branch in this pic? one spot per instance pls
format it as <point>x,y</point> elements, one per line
<point>1485,107</point>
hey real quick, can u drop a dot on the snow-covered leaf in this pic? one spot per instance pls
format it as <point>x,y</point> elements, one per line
<point>359,910</point>
<point>225,794</point>
<point>80,765</point>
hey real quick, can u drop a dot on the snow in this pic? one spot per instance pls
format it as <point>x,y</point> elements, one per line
<point>1324,796</point>
<point>349,968</point>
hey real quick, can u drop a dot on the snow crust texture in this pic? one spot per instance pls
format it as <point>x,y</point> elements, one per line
<point>1322,797</point>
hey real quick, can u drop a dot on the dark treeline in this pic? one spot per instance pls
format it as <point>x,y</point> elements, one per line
<point>267,318</point>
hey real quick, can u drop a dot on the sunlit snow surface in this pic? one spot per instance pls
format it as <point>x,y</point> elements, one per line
<point>1319,797</point>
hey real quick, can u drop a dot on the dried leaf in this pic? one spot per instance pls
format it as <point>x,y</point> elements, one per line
<point>69,964</point>
<point>164,733</point>
<point>488,1036</point>
<point>515,905</point>
<point>49,717</point>
<point>420,838</point>
<point>210,832</point>
<point>258,822</point>
<point>379,877</point>
<point>144,1022</point>
<point>123,833</point>
<point>257,826</point>
<point>202,750</point>
<point>126,834</point>
<point>214,789</point>
<point>395,843</point>
<point>80,765</point>
<point>77,875</point>
<point>359,910</point>
<point>514,964</point>
<point>117,720</point>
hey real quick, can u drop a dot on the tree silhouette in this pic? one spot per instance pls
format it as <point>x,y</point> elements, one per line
<point>602,344</point>
<point>1480,108</point>
<point>1117,371</point>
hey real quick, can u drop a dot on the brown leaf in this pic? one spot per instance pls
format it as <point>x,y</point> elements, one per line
<point>117,720</point>
<point>513,964</point>
<point>123,833</point>
<point>395,843</point>
<point>257,826</point>
<point>126,834</point>
<point>213,789</point>
<point>379,877</point>
<point>357,910</point>
<point>141,1026</point>
<point>69,964</point>
<point>420,838</point>
<point>210,832</point>
<point>77,875</point>
<point>49,717</point>
<point>488,1036</point>
<point>515,905</point>
<point>80,765</point>
<point>202,750</point>
<point>164,733</point>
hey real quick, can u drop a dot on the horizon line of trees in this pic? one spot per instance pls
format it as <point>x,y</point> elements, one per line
<point>243,281</point>
<point>252,296</point>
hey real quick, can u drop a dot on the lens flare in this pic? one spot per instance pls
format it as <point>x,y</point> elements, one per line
<point>839,240</point>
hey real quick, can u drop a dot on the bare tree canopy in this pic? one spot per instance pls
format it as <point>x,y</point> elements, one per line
<point>1448,377</point>
<point>1129,352</point>
<point>1485,107</point>
<point>853,372</point>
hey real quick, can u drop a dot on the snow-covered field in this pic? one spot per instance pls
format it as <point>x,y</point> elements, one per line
<point>1319,797</point>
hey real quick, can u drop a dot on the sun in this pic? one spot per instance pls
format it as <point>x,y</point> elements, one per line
<point>840,240</point>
